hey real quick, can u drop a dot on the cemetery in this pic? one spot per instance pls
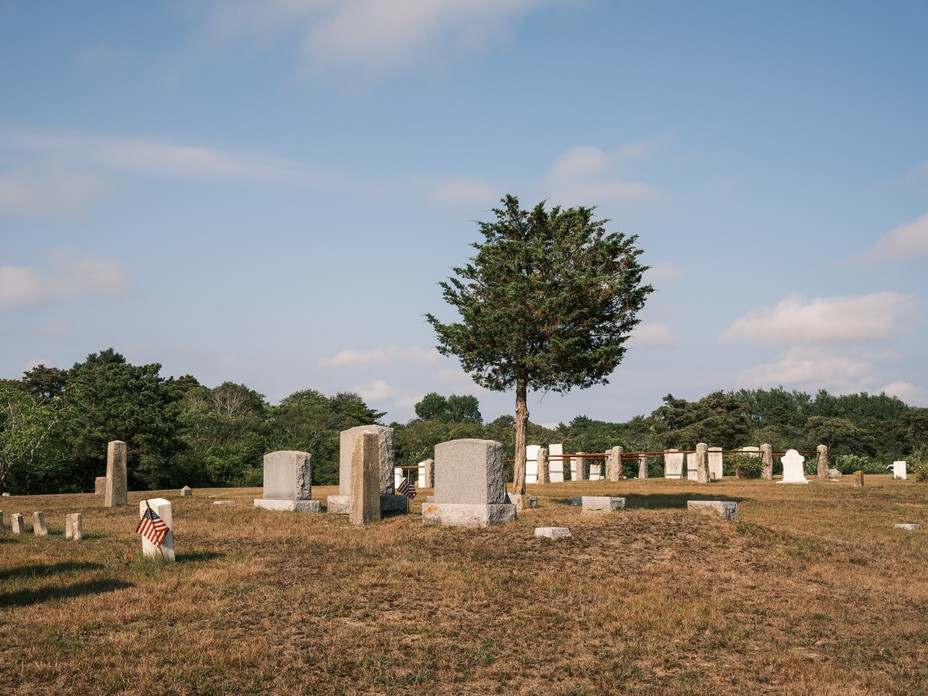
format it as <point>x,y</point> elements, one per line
<point>658,584</point>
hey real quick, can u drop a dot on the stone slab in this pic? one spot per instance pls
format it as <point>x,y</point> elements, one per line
<point>556,466</point>
<point>725,509</point>
<point>908,526</point>
<point>673,464</point>
<point>604,503</point>
<point>553,532</point>
<point>225,502</point>
<point>469,472</point>
<point>338,504</point>
<point>285,505</point>
<point>716,463</point>
<point>364,498</point>
<point>467,515</point>
<point>531,463</point>
<point>288,475</point>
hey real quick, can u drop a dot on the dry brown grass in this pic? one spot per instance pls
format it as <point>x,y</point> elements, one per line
<point>813,591</point>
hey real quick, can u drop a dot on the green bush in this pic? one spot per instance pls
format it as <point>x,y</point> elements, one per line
<point>849,463</point>
<point>746,466</point>
<point>919,466</point>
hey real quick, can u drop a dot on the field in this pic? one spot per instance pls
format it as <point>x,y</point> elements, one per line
<point>812,591</point>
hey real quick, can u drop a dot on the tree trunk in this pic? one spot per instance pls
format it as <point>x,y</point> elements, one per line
<point>518,477</point>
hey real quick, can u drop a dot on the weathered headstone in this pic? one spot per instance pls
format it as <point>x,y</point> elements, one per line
<point>691,474</point>
<point>601,503</point>
<point>162,508</point>
<point>766,457</point>
<point>643,466</point>
<point>74,526</point>
<point>16,523</point>
<point>899,470</point>
<point>556,463</point>
<point>469,485</point>
<point>364,497</point>
<point>117,492</point>
<point>38,524</point>
<point>716,465</point>
<point>553,532</point>
<point>596,471</point>
<point>793,467</point>
<point>544,472</point>
<point>822,452</point>
<point>578,469</point>
<point>905,525</point>
<point>531,463</point>
<point>426,473</point>
<point>389,500</point>
<point>858,478</point>
<point>288,482</point>
<point>99,486</point>
<point>723,508</point>
<point>186,492</point>
<point>702,463</point>
<point>614,464</point>
<point>673,464</point>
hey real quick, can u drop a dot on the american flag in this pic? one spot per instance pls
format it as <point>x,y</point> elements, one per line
<point>152,527</point>
<point>406,488</point>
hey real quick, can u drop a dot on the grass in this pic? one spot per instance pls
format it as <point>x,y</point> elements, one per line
<point>812,591</point>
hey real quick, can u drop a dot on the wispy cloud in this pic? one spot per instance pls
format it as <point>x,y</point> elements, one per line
<point>905,241</point>
<point>586,175</point>
<point>795,320</point>
<point>48,189</point>
<point>365,40</point>
<point>663,274</point>
<point>656,335</point>
<point>812,368</point>
<point>382,356</point>
<point>67,279</point>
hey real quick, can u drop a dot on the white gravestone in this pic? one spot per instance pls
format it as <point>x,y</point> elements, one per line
<point>596,472</point>
<point>673,464</point>
<point>716,468</point>
<point>596,503</point>
<point>556,463</point>
<point>38,524</point>
<point>691,473</point>
<point>793,467</point>
<point>531,463</point>
<point>398,476</point>
<point>16,523</point>
<point>162,508</point>
<point>74,526</point>
<point>578,469</point>
<point>899,471</point>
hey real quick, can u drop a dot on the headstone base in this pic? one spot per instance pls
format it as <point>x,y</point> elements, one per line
<point>467,515</point>
<point>795,481</point>
<point>289,505</point>
<point>553,532</point>
<point>595,503</point>
<point>338,504</point>
<point>725,509</point>
<point>522,501</point>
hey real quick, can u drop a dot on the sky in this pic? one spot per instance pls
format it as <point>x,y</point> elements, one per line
<point>269,192</point>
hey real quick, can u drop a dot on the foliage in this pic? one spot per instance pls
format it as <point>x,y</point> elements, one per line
<point>454,409</point>
<point>746,466</point>
<point>918,465</point>
<point>29,444</point>
<point>849,463</point>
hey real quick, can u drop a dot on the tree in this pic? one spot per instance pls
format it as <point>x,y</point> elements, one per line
<point>28,426</point>
<point>454,409</point>
<point>547,303</point>
<point>432,407</point>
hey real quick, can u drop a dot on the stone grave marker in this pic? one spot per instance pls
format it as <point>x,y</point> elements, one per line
<point>601,503</point>
<point>553,532</point>
<point>596,471</point>
<point>469,485</point>
<point>99,486</point>
<point>117,492</point>
<point>716,465</point>
<point>614,464</point>
<point>397,477</point>
<point>766,455</point>
<point>702,463</point>
<point>544,470</point>
<point>578,469</point>
<point>426,473</point>
<point>793,467</point>
<point>74,526</point>
<point>162,508</point>
<point>673,464</point>
<point>38,524</point>
<point>725,509</point>
<point>556,463</point>
<point>691,466</point>
<point>822,453</point>
<point>899,470</point>
<point>531,463</point>
<point>16,523</point>
<point>908,526</point>
<point>364,497</point>
<point>389,500</point>
<point>186,492</point>
<point>643,466</point>
<point>288,482</point>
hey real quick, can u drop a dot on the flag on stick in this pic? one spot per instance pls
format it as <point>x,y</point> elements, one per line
<point>407,488</point>
<point>152,527</point>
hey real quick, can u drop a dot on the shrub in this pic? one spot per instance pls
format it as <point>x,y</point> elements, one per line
<point>849,463</point>
<point>746,466</point>
<point>919,465</point>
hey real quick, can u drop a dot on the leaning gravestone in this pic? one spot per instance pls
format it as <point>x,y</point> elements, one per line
<point>117,493</point>
<point>673,464</point>
<point>16,523</point>
<point>389,501</point>
<point>162,508</point>
<point>469,486</point>
<point>38,524</point>
<point>793,467</point>
<point>288,482</point>
<point>556,463</point>
<point>74,526</point>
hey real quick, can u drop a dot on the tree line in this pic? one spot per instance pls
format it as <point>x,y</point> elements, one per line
<point>55,424</point>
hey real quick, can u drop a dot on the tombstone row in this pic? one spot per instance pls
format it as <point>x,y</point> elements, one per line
<point>74,524</point>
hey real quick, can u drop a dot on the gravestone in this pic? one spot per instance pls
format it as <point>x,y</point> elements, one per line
<point>99,486</point>
<point>766,456</point>
<point>397,477</point>
<point>117,493</point>
<point>614,464</point>
<point>389,500</point>
<point>74,526</point>
<point>531,463</point>
<point>702,463</point>
<point>716,465</point>
<point>858,479</point>
<point>601,503</point>
<point>556,463</point>
<point>426,473</point>
<point>364,497</point>
<point>553,532</point>
<point>186,492</point>
<point>904,525</point>
<point>1,519</point>
<point>596,471</point>
<point>469,485</point>
<point>899,470</point>
<point>16,523</point>
<point>691,466</point>
<point>793,467</point>
<point>162,508</point>
<point>288,482</point>
<point>38,524</point>
<point>725,509</point>
<point>822,452</point>
<point>643,466</point>
<point>544,472</point>
<point>578,469</point>
<point>673,464</point>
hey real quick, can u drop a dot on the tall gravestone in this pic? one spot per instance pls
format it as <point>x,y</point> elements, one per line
<point>644,464</point>
<point>766,457</point>
<point>702,463</point>
<point>544,473</point>
<point>673,463</point>
<point>822,470</point>
<point>716,465</point>
<point>596,471</point>
<point>389,500</point>
<point>162,508</point>
<point>364,497</point>
<point>117,492</point>
<point>614,464</point>
<point>578,469</point>
<point>531,463</point>
<point>288,482</point>
<point>469,486</point>
<point>691,466</point>
<point>556,463</point>
<point>793,467</point>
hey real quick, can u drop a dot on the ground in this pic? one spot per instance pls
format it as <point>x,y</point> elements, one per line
<point>812,591</point>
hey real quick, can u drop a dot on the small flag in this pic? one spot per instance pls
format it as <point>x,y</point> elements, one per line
<point>152,527</point>
<point>406,488</point>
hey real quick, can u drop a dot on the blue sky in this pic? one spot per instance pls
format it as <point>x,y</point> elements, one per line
<point>269,192</point>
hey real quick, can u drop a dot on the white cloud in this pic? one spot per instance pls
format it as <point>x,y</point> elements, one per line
<point>586,175</point>
<point>368,39</point>
<point>655,334</point>
<point>381,356</point>
<point>378,390</point>
<point>824,320</point>
<point>68,278</point>
<point>663,274</point>
<point>905,241</point>
<point>906,391</point>
<point>813,368</point>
